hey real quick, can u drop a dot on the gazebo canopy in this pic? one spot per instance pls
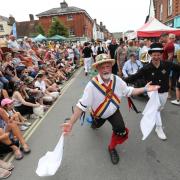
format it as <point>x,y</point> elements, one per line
<point>57,37</point>
<point>154,28</point>
<point>40,37</point>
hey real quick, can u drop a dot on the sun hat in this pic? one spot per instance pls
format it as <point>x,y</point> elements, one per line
<point>156,47</point>
<point>6,101</point>
<point>102,58</point>
<point>40,74</point>
<point>28,80</point>
<point>18,84</point>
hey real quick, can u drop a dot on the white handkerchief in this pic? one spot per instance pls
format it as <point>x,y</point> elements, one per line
<point>51,161</point>
<point>150,114</point>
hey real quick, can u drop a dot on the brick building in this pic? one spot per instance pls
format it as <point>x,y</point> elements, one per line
<point>77,20</point>
<point>168,12</point>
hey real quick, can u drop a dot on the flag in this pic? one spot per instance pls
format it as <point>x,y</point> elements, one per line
<point>14,30</point>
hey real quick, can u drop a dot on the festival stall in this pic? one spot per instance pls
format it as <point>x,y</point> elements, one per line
<point>154,28</point>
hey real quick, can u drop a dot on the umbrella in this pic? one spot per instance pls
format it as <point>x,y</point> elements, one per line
<point>57,37</point>
<point>40,37</point>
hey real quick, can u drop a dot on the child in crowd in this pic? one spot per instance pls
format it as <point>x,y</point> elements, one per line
<point>7,104</point>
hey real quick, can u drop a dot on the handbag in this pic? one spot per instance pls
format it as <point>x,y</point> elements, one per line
<point>38,111</point>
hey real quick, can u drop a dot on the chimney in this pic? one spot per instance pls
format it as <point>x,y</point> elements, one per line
<point>64,4</point>
<point>101,24</point>
<point>95,21</point>
<point>31,17</point>
<point>11,20</point>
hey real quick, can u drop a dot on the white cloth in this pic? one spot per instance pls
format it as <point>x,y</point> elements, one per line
<point>87,64</point>
<point>51,161</point>
<point>38,111</point>
<point>92,97</point>
<point>151,114</point>
<point>41,85</point>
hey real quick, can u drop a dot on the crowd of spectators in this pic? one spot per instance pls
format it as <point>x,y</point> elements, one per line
<point>131,55</point>
<point>31,75</point>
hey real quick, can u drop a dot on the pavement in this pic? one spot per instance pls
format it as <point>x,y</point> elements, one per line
<point>85,150</point>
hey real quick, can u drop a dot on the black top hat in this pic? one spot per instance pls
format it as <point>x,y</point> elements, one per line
<point>156,47</point>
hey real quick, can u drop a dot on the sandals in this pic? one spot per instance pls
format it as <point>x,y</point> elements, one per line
<point>6,165</point>
<point>4,173</point>
<point>26,149</point>
<point>18,154</point>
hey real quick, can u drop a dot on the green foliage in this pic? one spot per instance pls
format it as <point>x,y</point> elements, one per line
<point>40,30</point>
<point>57,28</point>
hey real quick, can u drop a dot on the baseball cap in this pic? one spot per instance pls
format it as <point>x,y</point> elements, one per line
<point>6,101</point>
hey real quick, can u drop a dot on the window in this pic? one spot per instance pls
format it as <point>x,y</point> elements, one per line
<point>170,3</point>
<point>1,28</point>
<point>161,12</point>
<point>70,17</point>
<point>54,18</point>
<point>71,32</point>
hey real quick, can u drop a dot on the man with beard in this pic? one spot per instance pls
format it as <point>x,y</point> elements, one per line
<point>158,72</point>
<point>103,96</point>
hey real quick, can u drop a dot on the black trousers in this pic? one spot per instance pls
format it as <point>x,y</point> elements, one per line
<point>116,120</point>
<point>115,69</point>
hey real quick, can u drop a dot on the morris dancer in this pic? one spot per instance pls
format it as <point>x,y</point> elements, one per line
<point>103,95</point>
<point>158,72</point>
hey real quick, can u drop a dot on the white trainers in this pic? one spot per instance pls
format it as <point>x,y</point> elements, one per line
<point>27,123</point>
<point>23,128</point>
<point>160,133</point>
<point>176,102</point>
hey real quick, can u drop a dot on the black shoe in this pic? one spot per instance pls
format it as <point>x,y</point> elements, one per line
<point>93,125</point>
<point>114,156</point>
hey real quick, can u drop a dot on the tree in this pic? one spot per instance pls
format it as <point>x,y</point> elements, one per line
<point>57,28</point>
<point>39,29</point>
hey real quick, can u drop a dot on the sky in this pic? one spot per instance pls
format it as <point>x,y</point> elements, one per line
<point>117,15</point>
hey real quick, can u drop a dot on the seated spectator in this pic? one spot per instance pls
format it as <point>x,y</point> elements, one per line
<point>131,66</point>
<point>9,69</point>
<point>32,91</point>
<point>7,105</point>
<point>3,94</point>
<point>36,60</point>
<point>40,83</point>
<point>16,61</point>
<point>8,132</point>
<point>26,60</point>
<point>8,143</point>
<point>12,43</point>
<point>26,44</point>
<point>22,102</point>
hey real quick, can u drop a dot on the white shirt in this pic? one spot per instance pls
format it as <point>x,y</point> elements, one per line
<point>142,50</point>
<point>130,67</point>
<point>13,45</point>
<point>92,97</point>
<point>40,85</point>
<point>70,53</point>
